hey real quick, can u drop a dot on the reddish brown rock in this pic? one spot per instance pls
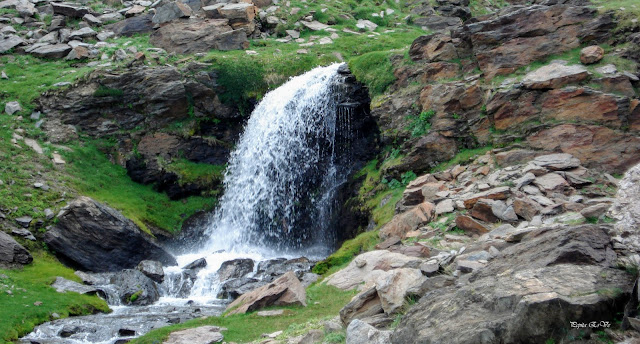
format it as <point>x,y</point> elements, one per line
<point>427,151</point>
<point>591,54</point>
<point>502,192</point>
<point>482,211</point>
<point>468,224</point>
<point>617,84</point>
<point>508,42</point>
<point>526,208</point>
<point>451,98</point>
<point>584,104</point>
<point>439,70</point>
<point>432,48</point>
<point>512,107</point>
<point>286,290</point>
<point>597,147</point>
<point>408,221</point>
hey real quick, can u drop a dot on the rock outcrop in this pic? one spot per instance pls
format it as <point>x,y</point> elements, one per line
<point>187,37</point>
<point>93,237</point>
<point>554,275</point>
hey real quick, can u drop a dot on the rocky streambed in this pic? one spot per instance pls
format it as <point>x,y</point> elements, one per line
<point>150,296</point>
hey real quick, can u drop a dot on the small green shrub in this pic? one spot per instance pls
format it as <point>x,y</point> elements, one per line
<point>104,91</point>
<point>420,125</point>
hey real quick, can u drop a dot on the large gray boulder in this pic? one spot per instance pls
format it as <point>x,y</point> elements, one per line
<point>92,236</point>
<point>12,253</point>
<point>135,288</point>
<point>528,294</point>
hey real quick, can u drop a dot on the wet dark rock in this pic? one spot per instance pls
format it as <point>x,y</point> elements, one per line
<point>233,288</point>
<point>196,264</point>
<point>135,288</point>
<point>235,268</point>
<point>152,269</point>
<point>94,237</point>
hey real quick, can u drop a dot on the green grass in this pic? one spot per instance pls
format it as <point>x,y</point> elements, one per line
<point>196,173</point>
<point>462,157</point>
<point>19,315</point>
<point>30,76</point>
<point>93,175</point>
<point>322,300</point>
<point>375,70</point>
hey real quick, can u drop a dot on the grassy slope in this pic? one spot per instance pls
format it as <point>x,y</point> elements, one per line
<point>18,314</point>
<point>322,300</point>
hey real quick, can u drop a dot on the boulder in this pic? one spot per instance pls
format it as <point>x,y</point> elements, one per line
<point>359,332</point>
<point>196,264</point>
<point>196,36</point>
<point>240,15</point>
<point>171,11</point>
<point>62,285</point>
<point>557,162</point>
<point>286,290</point>
<point>552,182</point>
<point>468,224</point>
<point>135,288</point>
<point>367,267</point>
<point>9,42</point>
<point>131,26</point>
<point>551,276</point>
<point>85,32</point>
<point>555,75</point>
<point>591,54</point>
<point>235,268</point>
<point>12,107</point>
<point>408,221</point>
<point>152,269</point>
<point>235,287</point>
<point>51,51</point>
<point>69,10</point>
<point>502,192</point>
<point>367,303</point>
<point>197,335</point>
<point>92,236</point>
<point>394,286</point>
<point>12,253</point>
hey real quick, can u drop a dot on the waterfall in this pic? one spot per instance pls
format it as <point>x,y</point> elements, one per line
<point>281,177</point>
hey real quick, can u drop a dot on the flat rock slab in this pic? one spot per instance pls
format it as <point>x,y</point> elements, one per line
<point>367,267</point>
<point>53,51</point>
<point>314,25</point>
<point>555,75</point>
<point>198,335</point>
<point>62,285</point>
<point>557,162</point>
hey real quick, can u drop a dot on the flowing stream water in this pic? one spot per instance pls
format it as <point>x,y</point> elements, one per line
<point>280,186</point>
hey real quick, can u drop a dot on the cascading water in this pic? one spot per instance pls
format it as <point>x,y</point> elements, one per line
<point>281,177</point>
<point>279,201</point>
